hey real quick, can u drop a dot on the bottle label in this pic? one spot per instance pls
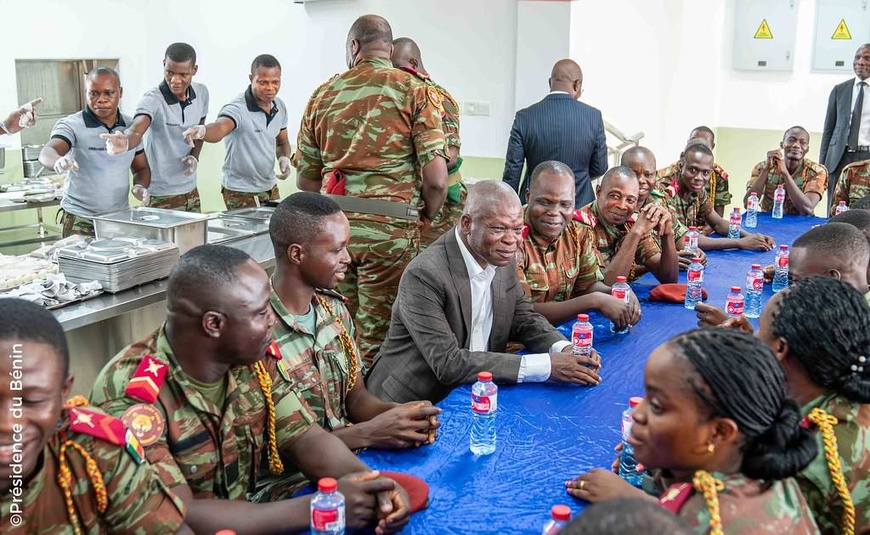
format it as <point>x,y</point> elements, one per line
<point>734,308</point>
<point>327,519</point>
<point>695,275</point>
<point>484,404</point>
<point>754,283</point>
<point>782,261</point>
<point>582,339</point>
<point>619,294</point>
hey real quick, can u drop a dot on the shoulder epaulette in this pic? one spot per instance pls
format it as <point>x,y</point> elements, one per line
<point>525,231</point>
<point>418,74</point>
<point>853,165</point>
<point>97,424</point>
<point>274,351</point>
<point>719,171</point>
<point>676,496</point>
<point>585,217</point>
<point>146,382</point>
<point>331,293</point>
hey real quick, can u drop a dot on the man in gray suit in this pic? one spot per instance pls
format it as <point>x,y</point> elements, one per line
<point>459,304</point>
<point>846,136</point>
<point>559,128</point>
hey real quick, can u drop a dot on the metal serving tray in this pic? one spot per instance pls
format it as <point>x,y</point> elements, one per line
<point>184,229</point>
<point>239,224</point>
<point>263,213</point>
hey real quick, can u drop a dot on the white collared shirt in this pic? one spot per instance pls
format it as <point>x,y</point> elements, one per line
<point>864,132</point>
<point>534,368</point>
<point>558,93</point>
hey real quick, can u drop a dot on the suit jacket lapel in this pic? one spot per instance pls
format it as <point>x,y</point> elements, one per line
<point>459,276</point>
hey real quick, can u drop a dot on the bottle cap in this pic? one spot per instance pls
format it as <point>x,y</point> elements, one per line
<point>621,279</point>
<point>634,401</point>
<point>225,532</point>
<point>484,376</point>
<point>582,317</point>
<point>753,193</point>
<point>842,203</point>
<point>693,228</point>
<point>735,289</point>
<point>755,266</point>
<point>327,484</point>
<point>783,247</point>
<point>561,512</point>
<point>781,186</point>
<point>696,260</point>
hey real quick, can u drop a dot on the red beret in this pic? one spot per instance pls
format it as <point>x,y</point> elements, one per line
<point>671,293</point>
<point>417,489</point>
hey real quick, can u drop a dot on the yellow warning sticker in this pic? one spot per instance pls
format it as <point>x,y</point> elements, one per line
<point>763,31</point>
<point>842,31</point>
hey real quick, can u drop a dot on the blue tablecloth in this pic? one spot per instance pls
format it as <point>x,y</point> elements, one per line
<point>549,433</point>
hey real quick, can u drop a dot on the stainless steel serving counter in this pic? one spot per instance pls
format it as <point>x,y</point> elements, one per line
<point>99,328</point>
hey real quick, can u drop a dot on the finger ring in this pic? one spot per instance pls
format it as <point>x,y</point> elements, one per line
<point>582,483</point>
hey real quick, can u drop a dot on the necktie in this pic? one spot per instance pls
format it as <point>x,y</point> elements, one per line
<point>855,125</point>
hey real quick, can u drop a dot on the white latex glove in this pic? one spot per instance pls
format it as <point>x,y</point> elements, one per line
<point>65,164</point>
<point>283,167</point>
<point>141,192</point>
<point>116,143</point>
<point>190,163</point>
<point>193,133</point>
<point>28,113</point>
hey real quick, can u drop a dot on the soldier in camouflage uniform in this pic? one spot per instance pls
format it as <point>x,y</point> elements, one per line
<point>406,56</point>
<point>717,187</point>
<point>556,262</point>
<point>687,201</point>
<point>314,332</point>
<point>854,183</point>
<point>805,180</point>
<point>85,448</point>
<point>829,373</point>
<point>375,135</point>
<point>215,410</point>
<point>625,246</point>
<point>642,161</point>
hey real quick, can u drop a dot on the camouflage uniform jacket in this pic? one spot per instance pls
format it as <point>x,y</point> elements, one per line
<point>810,177</point>
<point>658,197</point>
<point>215,451</point>
<point>138,502</point>
<point>560,270</point>
<point>853,442</point>
<point>316,362</point>
<point>745,506</point>
<point>608,239</point>
<point>854,183</point>
<point>718,180</point>
<point>690,212</point>
<point>378,125</point>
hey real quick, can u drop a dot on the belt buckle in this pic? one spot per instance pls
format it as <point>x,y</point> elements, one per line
<point>412,213</point>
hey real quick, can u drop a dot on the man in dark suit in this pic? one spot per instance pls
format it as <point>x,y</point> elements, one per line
<point>559,128</point>
<point>460,303</point>
<point>846,137</point>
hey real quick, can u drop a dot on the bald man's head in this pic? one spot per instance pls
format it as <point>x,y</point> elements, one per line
<point>567,76</point>
<point>642,161</point>
<point>635,153</point>
<point>489,196</point>
<point>369,35</point>
<point>406,54</point>
<point>492,225</point>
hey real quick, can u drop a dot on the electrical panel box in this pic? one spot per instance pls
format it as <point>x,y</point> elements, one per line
<point>764,34</point>
<point>841,27</point>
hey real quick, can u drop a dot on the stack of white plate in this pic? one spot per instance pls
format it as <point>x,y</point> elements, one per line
<point>118,263</point>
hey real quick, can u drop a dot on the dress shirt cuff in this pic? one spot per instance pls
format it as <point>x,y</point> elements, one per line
<point>534,368</point>
<point>557,347</point>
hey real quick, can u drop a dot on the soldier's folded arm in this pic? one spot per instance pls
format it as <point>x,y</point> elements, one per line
<point>434,189</point>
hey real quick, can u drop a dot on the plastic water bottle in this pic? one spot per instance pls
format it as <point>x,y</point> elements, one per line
<point>752,210</point>
<point>735,302</point>
<point>581,336</point>
<point>560,515</point>
<point>754,286</point>
<point>484,404</point>
<point>734,224</point>
<point>778,202</point>
<point>780,276</point>
<point>841,207</point>
<point>327,508</point>
<point>693,238</point>
<point>695,283</point>
<point>627,462</point>
<point>620,290</point>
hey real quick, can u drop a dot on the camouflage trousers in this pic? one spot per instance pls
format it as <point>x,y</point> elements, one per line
<point>447,218</point>
<point>240,199</point>
<point>73,224</point>
<point>379,253</point>
<point>188,202</point>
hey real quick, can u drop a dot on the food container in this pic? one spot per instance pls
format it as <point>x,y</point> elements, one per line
<point>30,153</point>
<point>263,213</point>
<point>184,229</point>
<point>245,226</point>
